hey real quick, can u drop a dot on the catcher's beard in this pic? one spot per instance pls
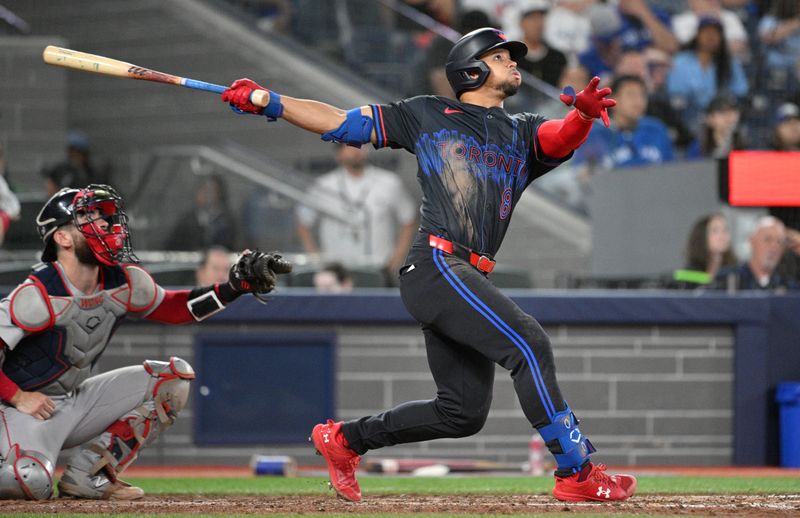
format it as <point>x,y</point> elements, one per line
<point>84,254</point>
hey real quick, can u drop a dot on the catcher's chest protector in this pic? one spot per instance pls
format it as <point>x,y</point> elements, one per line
<point>69,332</point>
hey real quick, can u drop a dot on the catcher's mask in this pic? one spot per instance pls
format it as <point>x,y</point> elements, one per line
<point>97,212</point>
<point>464,57</point>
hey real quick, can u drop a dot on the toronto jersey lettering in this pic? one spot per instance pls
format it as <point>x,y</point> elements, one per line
<point>474,163</point>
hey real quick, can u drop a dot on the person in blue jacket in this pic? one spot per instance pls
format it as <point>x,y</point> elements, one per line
<point>633,139</point>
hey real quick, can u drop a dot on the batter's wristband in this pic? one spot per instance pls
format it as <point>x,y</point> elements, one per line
<point>274,108</point>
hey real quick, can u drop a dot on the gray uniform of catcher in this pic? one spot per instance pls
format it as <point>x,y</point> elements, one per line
<point>52,335</point>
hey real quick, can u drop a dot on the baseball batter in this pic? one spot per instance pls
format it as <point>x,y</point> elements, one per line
<point>54,327</point>
<point>475,160</point>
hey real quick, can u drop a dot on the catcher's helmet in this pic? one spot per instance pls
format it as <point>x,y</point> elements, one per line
<point>464,57</point>
<point>97,212</point>
<point>55,213</point>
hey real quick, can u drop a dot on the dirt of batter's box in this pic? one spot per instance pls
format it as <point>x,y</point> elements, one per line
<point>705,505</point>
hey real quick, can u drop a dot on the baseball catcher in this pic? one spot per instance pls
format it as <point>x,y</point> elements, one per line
<point>56,324</point>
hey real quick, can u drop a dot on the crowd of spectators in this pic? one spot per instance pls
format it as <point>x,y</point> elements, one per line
<point>693,79</point>
<point>718,74</point>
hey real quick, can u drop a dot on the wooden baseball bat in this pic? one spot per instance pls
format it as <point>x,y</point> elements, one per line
<point>67,58</point>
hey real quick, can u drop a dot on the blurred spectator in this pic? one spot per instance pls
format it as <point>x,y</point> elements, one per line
<point>432,72</point>
<point>381,213</point>
<point>709,246</point>
<point>633,138</point>
<point>542,61</point>
<point>720,132</point>
<point>567,27</point>
<point>646,26</point>
<point>787,128</point>
<point>77,169</point>
<point>260,205</point>
<point>686,25</point>
<point>210,222</point>
<point>573,74</point>
<point>214,266</point>
<point>443,11</point>
<point>630,26</point>
<point>767,246</point>
<point>670,6</point>
<point>702,71</point>
<point>499,10</point>
<point>789,266</point>
<point>271,15</point>
<point>333,278</point>
<point>779,31</point>
<point>9,204</point>
<point>606,40</point>
<point>653,65</point>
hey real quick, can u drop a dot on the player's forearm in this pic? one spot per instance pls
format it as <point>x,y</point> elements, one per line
<point>313,116</point>
<point>781,32</point>
<point>174,309</point>
<point>559,137</point>
<point>662,37</point>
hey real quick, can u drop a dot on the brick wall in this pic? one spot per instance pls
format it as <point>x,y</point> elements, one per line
<point>646,395</point>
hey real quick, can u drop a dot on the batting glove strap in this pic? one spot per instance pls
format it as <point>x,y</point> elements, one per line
<point>274,109</point>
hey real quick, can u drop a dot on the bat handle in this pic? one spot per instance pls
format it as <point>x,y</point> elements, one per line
<point>259,97</point>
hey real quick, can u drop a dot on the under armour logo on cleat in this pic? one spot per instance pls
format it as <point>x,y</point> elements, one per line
<point>326,437</point>
<point>606,493</point>
<point>451,111</point>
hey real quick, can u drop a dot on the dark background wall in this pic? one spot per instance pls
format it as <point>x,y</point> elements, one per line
<point>656,378</point>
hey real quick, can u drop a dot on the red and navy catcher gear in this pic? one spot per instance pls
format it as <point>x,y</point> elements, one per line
<point>464,57</point>
<point>55,213</point>
<point>98,213</point>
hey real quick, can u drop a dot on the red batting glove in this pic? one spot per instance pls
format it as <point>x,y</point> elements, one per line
<point>590,101</point>
<point>238,95</point>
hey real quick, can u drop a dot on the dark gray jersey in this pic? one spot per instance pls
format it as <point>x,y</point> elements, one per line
<point>474,163</point>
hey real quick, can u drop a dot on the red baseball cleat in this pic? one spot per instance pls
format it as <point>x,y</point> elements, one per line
<point>341,460</point>
<point>596,485</point>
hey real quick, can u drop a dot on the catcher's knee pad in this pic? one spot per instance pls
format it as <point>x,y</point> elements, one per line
<point>565,441</point>
<point>26,474</point>
<point>170,387</point>
<point>167,394</point>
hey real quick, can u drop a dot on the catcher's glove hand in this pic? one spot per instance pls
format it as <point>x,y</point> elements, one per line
<point>255,272</point>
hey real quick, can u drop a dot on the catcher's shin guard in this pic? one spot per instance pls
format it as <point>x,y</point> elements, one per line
<point>26,474</point>
<point>118,446</point>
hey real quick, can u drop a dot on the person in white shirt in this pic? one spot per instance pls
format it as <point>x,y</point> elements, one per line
<point>685,24</point>
<point>380,214</point>
<point>9,204</point>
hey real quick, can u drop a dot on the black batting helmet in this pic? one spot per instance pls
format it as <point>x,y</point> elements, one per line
<point>55,213</point>
<point>464,57</point>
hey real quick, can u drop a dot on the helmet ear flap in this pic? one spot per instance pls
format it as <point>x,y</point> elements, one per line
<point>459,78</point>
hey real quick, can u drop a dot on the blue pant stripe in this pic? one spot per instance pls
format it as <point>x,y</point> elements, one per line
<point>501,326</point>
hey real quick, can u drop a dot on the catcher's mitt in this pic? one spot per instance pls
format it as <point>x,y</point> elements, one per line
<point>255,272</point>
